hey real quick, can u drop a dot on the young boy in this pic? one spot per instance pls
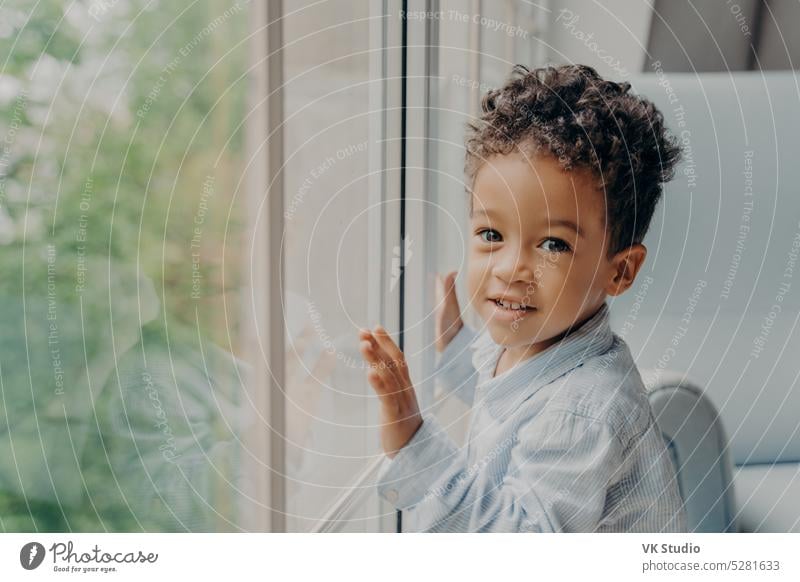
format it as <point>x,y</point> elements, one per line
<point>564,170</point>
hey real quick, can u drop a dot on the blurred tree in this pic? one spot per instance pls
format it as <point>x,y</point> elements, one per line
<point>121,146</point>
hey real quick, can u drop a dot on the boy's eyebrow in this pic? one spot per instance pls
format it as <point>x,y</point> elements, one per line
<point>566,222</point>
<point>482,211</point>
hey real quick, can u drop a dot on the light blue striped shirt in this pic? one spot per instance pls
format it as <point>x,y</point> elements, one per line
<point>563,441</point>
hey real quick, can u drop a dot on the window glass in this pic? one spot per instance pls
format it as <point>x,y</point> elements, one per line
<point>121,224</point>
<point>330,416</point>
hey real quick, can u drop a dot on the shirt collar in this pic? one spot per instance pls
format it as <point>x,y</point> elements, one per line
<point>504,393</point>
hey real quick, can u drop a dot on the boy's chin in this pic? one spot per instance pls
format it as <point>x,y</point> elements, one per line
<point>509,336</point>
<point>519,336</point>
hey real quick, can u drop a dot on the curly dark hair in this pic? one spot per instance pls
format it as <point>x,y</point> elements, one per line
<point>571,113</point>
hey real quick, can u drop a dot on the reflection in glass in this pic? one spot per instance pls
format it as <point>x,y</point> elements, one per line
<point>120,220</point>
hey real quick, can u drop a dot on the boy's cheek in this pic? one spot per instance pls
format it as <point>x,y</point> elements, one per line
<point>478,273</point>
<point>569,298</point>
<point>564,276</point>
<point>561,293</point>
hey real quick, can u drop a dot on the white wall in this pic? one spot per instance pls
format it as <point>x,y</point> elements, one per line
<point>610,36</point>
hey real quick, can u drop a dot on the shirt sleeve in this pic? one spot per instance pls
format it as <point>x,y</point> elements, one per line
<point>454,371</point>
<point>405,480</point>
<point>557,473</point>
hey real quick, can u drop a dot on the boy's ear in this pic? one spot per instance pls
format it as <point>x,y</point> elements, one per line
<point>624,267</point>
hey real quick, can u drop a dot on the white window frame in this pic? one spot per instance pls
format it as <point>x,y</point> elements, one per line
<point>263,329</point>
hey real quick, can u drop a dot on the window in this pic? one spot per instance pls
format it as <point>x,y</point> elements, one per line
<point>199,206</point>
<point>324,213</point>
<point>331,217</point>
<point>123,218</point>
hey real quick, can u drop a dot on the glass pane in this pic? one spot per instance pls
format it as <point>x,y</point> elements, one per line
<point>331,437</point>
<point>121,221</point>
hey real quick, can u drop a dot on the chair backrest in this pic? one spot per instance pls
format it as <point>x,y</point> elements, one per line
<point>718,297</point>
<point>696,442</point>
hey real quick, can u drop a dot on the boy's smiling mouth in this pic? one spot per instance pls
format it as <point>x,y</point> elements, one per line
<point>509,311</point>
<point>511,304</point>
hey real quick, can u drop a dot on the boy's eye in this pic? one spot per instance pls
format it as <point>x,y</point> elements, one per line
<point>555,245</point>
<point>490,235</point>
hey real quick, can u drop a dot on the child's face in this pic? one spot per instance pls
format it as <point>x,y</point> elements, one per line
<point>539,237</point>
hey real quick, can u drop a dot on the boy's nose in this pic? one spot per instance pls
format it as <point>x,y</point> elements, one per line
<point>513,267</point>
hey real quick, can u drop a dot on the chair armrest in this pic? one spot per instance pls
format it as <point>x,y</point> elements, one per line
<point>699,447</point>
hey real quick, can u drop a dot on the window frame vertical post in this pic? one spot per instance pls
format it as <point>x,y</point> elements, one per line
<point>264,261</point>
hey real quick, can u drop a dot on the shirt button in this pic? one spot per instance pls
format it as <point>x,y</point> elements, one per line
<point>392,496</point>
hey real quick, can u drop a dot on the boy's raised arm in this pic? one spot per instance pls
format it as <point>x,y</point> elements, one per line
<point>454,370</point>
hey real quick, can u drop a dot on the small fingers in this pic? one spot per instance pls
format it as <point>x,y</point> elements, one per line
<point>370,343</point>
<point>396,360</point>
<point>371,352</point>
<point>376,381</point>
<point>382,377</point>
<point>383,355</point>
<point>386,342</point>
<point>450,286</point>
<point>378,359</point>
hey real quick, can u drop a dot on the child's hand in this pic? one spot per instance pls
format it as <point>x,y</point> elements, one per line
<point>448,316</point>
<point>388,376</point>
